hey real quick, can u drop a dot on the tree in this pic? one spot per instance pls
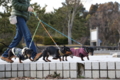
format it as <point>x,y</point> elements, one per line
<point>93,9</point>
<point>115,20</point>
<point>33,21</point>
<point>74,7</point>
<point>105,18</point>
<point>6,28</point>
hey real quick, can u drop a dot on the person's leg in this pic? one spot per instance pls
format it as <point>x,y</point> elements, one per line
<point>14,42</point>
<point>27,36</point>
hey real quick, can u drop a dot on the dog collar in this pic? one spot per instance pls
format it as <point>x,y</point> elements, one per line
<point>61,54</point>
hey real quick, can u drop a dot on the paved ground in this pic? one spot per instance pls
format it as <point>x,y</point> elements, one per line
<point>98,58</point>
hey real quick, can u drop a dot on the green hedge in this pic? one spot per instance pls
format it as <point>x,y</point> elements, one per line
<point>38,39</point>
<point>47,40</point>
<point>58,40</point>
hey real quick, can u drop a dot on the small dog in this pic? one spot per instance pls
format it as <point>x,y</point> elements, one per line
<point>80,52</point>
<point>55,52</point>
<point>65,56</point>
<point>22,54</point>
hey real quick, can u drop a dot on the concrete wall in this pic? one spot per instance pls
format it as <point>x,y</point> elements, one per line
<point>65,69</point>
<point>102,70</point>
<point>38,70</point>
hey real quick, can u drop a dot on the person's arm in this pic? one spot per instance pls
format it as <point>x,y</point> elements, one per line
<point>30,9</point>
<point>19,6</point>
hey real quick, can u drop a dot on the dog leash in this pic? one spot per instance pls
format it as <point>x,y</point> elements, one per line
<point>60,53</point>
<point>61,33</point>
<point>34,33</point>
<point>40,22</point>
<point>45,29</point>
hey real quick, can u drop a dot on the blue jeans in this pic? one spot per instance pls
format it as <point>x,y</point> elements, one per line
<point>21,31</point>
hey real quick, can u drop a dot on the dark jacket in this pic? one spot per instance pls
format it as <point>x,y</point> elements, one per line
<point>20,8</point>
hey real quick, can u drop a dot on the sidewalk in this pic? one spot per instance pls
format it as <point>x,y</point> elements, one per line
<point>96,58</point>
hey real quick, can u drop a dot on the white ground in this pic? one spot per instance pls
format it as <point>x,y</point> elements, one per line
<point>95,58</point>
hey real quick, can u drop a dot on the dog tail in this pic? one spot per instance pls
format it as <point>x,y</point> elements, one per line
<point>40,49</point>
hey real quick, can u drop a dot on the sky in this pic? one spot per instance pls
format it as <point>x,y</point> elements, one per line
<point>55,4</point>
<point>51,4</point>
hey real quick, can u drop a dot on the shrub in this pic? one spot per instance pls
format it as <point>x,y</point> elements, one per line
<point>58,40</point>
<point>38,39</point>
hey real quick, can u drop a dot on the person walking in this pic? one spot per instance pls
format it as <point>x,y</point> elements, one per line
<point>22,10</point>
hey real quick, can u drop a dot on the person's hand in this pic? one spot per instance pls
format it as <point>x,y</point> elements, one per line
<point>30,9</point>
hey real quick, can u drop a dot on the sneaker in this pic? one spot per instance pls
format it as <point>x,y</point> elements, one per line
<point>7,60</point>
<point>38,55</point>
